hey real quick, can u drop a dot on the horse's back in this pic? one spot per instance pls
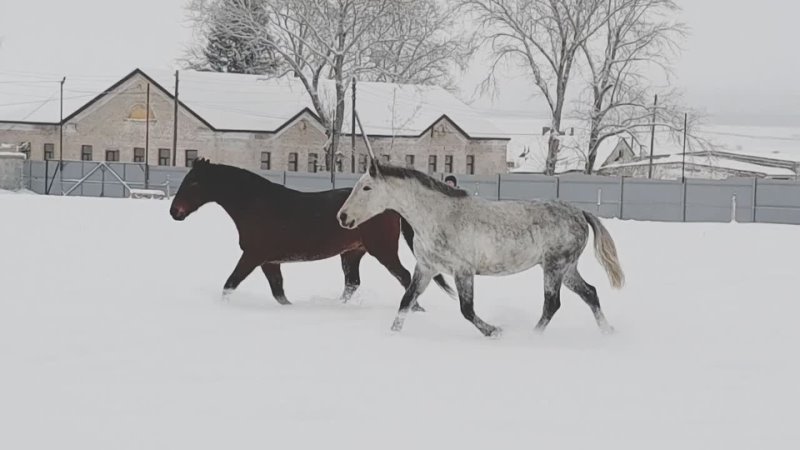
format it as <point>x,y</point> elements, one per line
<point>303,226</point>
<point>509,236</point>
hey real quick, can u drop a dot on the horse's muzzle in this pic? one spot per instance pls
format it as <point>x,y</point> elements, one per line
<point>177,213</point>
<point>349,224</point>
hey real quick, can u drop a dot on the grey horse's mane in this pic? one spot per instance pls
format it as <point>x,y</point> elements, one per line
<point>425,180</point>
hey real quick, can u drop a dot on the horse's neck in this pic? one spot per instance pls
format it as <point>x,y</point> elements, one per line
<point>239,191</point>
<point>419,206</point>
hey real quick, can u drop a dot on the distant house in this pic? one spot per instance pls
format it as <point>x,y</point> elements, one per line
<point>255,123</point>
<point>572,152</point>
<point>622,152</point>
<point>621,157</point>
<point>704,164</point>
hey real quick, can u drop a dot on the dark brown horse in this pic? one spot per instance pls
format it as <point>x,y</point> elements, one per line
<point>279,225</point>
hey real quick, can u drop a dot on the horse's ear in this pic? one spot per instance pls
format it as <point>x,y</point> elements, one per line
<point>374,168</point>
<point>201,162</point>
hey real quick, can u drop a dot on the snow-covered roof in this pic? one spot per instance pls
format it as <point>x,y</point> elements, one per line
<point>768,142</point>
<point>782,143</point>
<point>255,103</point>
<point>528,147</point>
<point>709,160</point>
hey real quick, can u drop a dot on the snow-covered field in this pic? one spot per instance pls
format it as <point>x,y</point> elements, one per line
<point>113,336</point>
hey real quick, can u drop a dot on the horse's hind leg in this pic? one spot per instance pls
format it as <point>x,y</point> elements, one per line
<point>275,278</point>
<point>575,282</point>
<point>552,295</point>
<point>247,263</point>
<point>350,266</point>
<point>464,284</point>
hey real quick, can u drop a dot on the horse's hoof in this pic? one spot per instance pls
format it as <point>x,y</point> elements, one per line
<point>397,325</point>
<point>608,330</point>
<point>495,332</point>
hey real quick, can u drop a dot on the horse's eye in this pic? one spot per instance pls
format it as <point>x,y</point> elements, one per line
<point>367,188</point>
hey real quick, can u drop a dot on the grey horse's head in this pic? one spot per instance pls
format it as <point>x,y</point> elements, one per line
<point>370,197</point>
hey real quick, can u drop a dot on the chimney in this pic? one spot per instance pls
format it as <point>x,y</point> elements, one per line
<point>643,153</point>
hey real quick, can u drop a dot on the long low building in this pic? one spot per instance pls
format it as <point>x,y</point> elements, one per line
<point>255,123</point>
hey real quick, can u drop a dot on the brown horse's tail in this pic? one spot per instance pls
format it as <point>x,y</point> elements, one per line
<point>606,251</point>
<point>408,235</point>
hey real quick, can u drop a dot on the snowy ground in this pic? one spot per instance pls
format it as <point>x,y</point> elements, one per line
<point>112,336</point>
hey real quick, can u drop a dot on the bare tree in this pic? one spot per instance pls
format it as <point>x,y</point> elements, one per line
<point>427,46</point>
<point>638,36</point>
<point>312,38</point>
<point>340,40</point>
<point>543,37</point>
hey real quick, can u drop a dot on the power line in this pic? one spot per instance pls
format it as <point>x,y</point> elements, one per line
<point>39,101</point>
<point>753,136</point>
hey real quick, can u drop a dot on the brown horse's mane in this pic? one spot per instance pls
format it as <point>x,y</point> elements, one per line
<point>242,177</point>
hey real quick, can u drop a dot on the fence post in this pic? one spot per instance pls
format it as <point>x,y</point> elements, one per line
<point>46,176</point>
<point>733,208</point>
<point>755,196</point>
<point>29,184</point>
<point>683,201</point>
<point>102,182</point>
<point>499,180</point>
<point>558,188</point>
<point>599,199</point>
<point>621,196</point>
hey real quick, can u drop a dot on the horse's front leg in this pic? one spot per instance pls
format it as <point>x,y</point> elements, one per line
<point>464,285</point>
<point>419,282</point>
<point>275,278</point>
<point>247,263</point>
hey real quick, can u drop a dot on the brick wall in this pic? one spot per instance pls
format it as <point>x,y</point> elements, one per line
<point>112,123</point>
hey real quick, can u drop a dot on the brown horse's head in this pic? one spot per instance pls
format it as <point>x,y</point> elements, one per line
<point>195,190</point>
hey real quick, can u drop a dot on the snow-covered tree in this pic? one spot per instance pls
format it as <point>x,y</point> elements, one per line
<point>219,50</point>
<point>544,38</point>
<point>427,47</point>
<point>638,39</point>
<point>341,40</point>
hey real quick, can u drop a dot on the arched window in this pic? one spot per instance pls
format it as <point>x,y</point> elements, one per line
<point>139,112</point>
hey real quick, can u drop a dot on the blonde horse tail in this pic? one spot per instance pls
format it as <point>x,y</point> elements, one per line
<point>606,251</point>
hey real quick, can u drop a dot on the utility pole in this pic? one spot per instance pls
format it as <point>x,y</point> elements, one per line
<point>61,125</point>
<point>353,131</point>
<point>175,124</point>
<point>652,138</point>
<point>683,163</point>
<point>60,142</point>
<point>147,142</point>
<point>331,161</point>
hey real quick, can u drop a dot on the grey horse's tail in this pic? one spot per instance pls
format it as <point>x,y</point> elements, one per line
<point>408,235</point>
<point>606,251</point>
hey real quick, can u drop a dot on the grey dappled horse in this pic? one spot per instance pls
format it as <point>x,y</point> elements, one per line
<point>464,236</point>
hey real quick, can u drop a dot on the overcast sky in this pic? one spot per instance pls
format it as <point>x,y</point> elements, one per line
<point>740,61</point>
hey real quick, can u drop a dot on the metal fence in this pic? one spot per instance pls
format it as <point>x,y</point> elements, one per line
<point>740,199</point>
